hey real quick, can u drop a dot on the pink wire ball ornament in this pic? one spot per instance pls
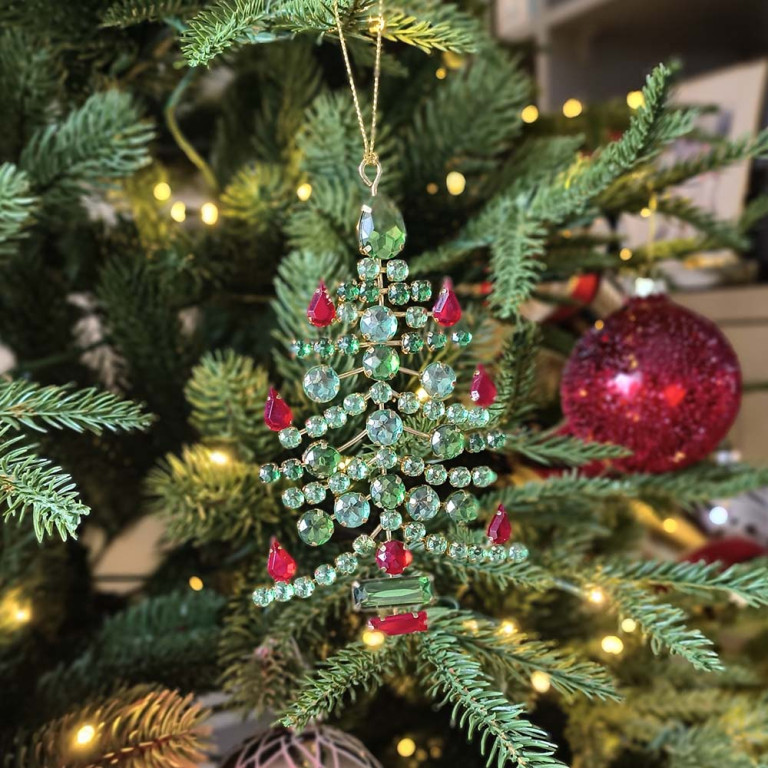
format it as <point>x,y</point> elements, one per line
<point>656,378</point>
<point>314,747</point>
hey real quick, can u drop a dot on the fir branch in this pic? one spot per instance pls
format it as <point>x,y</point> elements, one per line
<point>28,404</point>
<point>17,204</point>
<point>496,576</point>
<point>755,210</point>
<point>721,233</point>
<point>257,196</point>
<point>549,447</point>
<point>433,26</point>
<point>560,488</point>
<point>126,13</point>
<point>505,736</point>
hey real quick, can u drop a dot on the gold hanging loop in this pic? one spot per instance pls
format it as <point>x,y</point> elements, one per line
<point>370,161</point>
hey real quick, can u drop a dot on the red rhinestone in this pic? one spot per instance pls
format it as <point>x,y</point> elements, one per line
<point>400,623</point>
<point>499,529</point>
<point>280,565</point>
<point>483,390</point>
<point>393,557</point>
<point>277,413</point>
<point>447,310</point>
<point>321,311</point>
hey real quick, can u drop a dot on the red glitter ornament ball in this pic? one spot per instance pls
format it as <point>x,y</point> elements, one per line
<point>656,378</point>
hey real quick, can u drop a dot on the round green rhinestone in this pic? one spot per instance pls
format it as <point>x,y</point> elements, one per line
<point>416,317</point>
<point>263,596</point>
<point>268,473</point>
<point>348,291</point>
<point>316,426</point>
<point>338,482</point>
<point>289,437</point>
<point>462,338</point>
<point>436,340</point>
<point>423,503</point>
<point>368,269</point>
<point>412,466</point>
<point>496,438</point>
<point>398,294</point>
<point>357,469</point>
<point>414,531</point>
<point>321,383</point>
<point>390,520</point>
<point>438,379</point>
<point>352,510</point>
<point>354,404</point>
<point>478,417</point>
<point>314,493</point>
<point>321,459</point>
<point>283,591</point>
<point>518,552</point>
<point>386,458</point>
<point>378,323</point>
<point>301,348</point>
<point>496,554</point>
<point>381,362</point>
<point>433,409</point>
<point>323,348</point>
<point>397,270</point>
<point>346,563</point>
<point>476,443</point>
<point>435,543</point>
<point>293,498</point>
<point>380,228</point>
<point>387,491</point>
<point>364,545</point>
<point>384,427</point>
<point>315,527</point>
<point>335,417</point>
<point>303,587</point>
<point>456,413</point>
<point>447,442</point>
<point>462,507</point>
<point>412,343</point>
<point>348,344</point>
<point>408,403</point>
<point>457,551</point>
<point>293,469</point>
<point>381,393</point>
<point>474,553</point>
<point>483,476</point>
<point>347,313</point>
<point>436,474</point>
<point>421,290</point>
<point>459,477</point>
<point>325,575</point>
<point>370,292</point>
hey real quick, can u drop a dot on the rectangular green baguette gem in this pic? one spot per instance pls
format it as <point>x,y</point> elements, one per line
<point>392,593</point>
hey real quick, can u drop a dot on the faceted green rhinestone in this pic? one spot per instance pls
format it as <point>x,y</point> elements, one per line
<point>387,491</point>
<point>436,474</point>
<point>381,393</point>
<point>436,340</point>
<point>474,553</point>
<point>421,290</point>
<point>338,482</point>
<point>398,294</point>
<point>457,551</point>
<point>381,363</point>
<point>335,417</point>
<point>268,473</point>
<point>380,229</point>
<point>462,507</point>
<point>414,531</point>
<point>348,291</point>
<point>423,503</point>
<point>315,527</point>
<point>397,270</point>
<point>314,493</point>
<point>496,438</point>
<point>364,545</point>
<point>412,466</point>
<point>384,427</point>
<point>324,348</point>
<point>433,409</point>
<point>478,417</point>
<point>368,269</point>
<point>408,403</point>
<point>385,458</point>
<point>373,594</point>
<point>438,379</point>
<point>496,554</point>
<point>476,443</point>
<point>378,323</point>
<point>321,459</point>
<point>316,426</point>
<point>518,552</point>
<point>301,348</point>
<point>357,469</point>
<point>293,469</point>
<point>370,292</point>
<point>346,563</point>
<point>390,520</point>
<point>447,442</point>
<point>289,437</point>
<point>304,587</point>
<point>293,498</point>
<point>352,510</point>
<point>325,575</point>
<point>412,343</point>
<point>416,317</point>
<point>283,591</point>
<point>436,543</point>
<point>263,596</point>
<point>483,476</point>
<point>321,383</point>
<point>347,313</point>
<point>461,338</point>
<point>354,404</point>
<point>348,344</point>
<point>459,477</point>
<point>456,413</point>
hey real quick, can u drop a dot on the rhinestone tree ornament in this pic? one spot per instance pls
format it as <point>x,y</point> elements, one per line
<point>395,476</point>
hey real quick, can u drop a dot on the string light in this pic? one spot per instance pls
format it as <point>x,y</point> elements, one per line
<point>455,183</point>
<point>218,457</point>
<point>669,524</point>
<point>195,583</point>
<point>373,638</point>
<point>635,99</point>
<point>22,614</point>
<point>435,751</point>
<point>432,188</point>
<point>85,735</point>
<point>530,114</point>
<point>178,211</point>
<point>596,596</point>
<point>625,254</point>
<point>612,644</point>
<point>161,191</point>
<point>406,747</point>
<point>718,515</point>
<point>599,325</point>
<point>540,681</point>
<point>422,394</point>
<point>304,192</point>
<point>573,108</point>
<point>209,213</point>
<point>441,73</point>
<point>645,212</point>
<point>507,627</point>
<point>628,625</point>
<point>471,625</point>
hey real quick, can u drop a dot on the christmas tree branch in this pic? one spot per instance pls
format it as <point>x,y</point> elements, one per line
<point>17,204</point>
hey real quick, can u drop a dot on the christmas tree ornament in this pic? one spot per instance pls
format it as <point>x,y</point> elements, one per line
<point>314,747</point>
<point>657,379</point>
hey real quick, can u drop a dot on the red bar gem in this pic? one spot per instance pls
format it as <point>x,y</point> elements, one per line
<point>400,623</point>
<point>447,310</point>
<point>321,311</point>
<point>277,413</point>
<point>483,390</point>
<point>499,528</point>
<point>280,565</point>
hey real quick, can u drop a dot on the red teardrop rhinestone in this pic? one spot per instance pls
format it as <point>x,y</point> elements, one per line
<point>280,565</point>
<point>400,623</point>
<point>483,390</point>
<point>447,310</point>
<point>277,413</point>
<point>321,311</point>
<point>499,528</point>
<point>393,558</point>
